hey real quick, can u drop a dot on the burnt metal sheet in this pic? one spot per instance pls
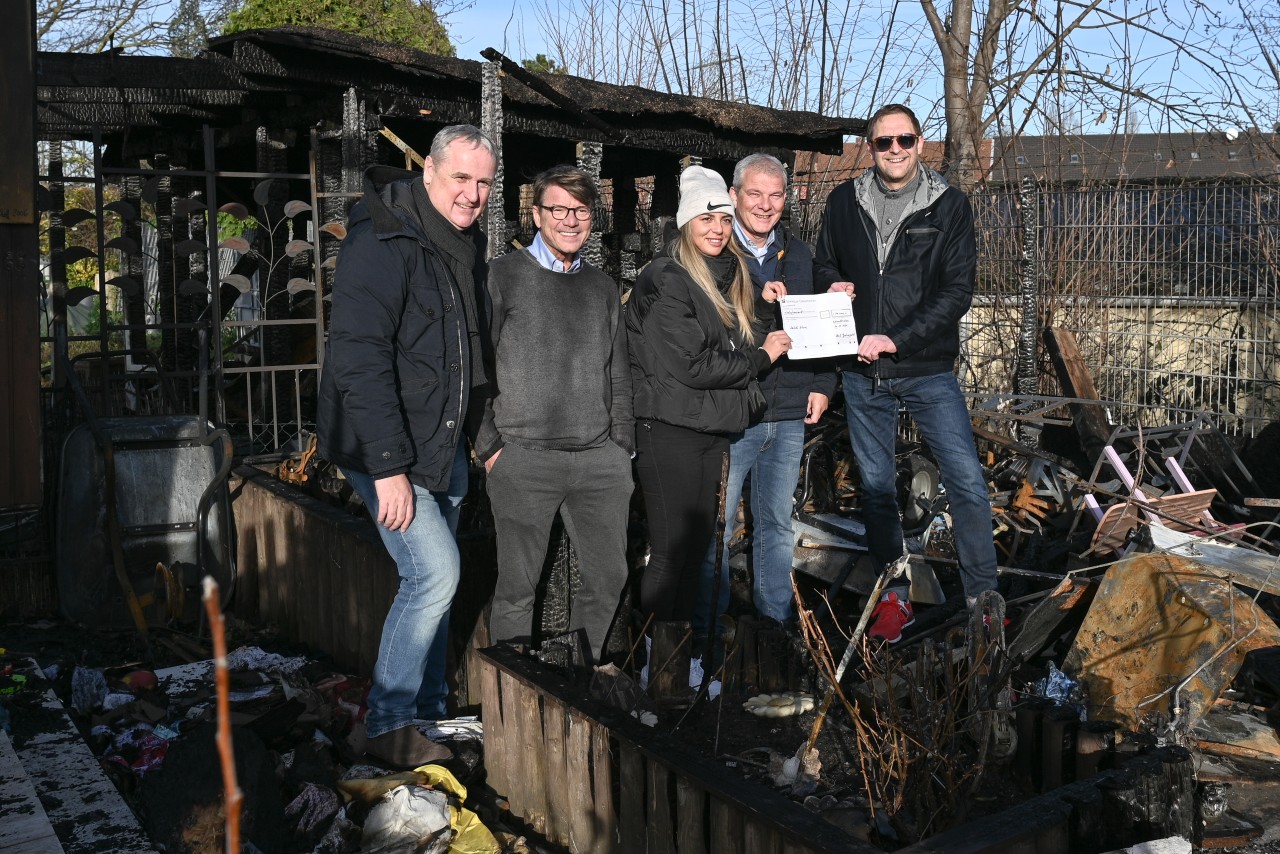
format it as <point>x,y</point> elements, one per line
<point>1162,639</point>
<point>1248,567</point>
<point>1227,732</point>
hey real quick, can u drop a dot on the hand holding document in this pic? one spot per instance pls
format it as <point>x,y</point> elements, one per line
<point>819,325</point>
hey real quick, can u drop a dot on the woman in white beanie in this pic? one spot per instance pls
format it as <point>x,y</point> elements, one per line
<point>693,354</point>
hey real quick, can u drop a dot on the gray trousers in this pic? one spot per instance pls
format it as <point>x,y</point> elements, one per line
<point>591,489</point>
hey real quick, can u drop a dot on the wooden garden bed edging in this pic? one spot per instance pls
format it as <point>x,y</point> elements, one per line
<point>593,779</point>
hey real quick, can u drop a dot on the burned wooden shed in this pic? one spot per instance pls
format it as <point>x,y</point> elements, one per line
<point>192,209</point>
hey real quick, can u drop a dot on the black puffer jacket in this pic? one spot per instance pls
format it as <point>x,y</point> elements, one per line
<point>687,368</point>
<point>397,370</point>
<point>927,282</point>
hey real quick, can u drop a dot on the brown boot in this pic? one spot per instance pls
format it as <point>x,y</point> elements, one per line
<point>405,748</point>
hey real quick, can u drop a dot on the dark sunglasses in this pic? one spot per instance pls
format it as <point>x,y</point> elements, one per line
<point>906,141</point>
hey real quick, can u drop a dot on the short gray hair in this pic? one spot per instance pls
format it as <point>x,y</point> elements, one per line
<point>466,133</point>
<point>760,162</point>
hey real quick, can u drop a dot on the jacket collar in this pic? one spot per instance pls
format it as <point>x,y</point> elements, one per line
<point>388,198</point>
<point>929,189</point>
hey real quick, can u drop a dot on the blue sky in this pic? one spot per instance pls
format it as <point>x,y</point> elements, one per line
<point>511,26</point>
<point>913,75</point>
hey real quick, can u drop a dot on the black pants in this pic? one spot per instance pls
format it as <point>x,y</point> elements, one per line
<point>679,473</point>
<point>591,490</point>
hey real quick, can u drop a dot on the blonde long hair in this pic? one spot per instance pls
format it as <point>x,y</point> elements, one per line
<point>739,309</point>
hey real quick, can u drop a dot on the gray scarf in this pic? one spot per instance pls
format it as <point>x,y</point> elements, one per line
<point>463,254</point>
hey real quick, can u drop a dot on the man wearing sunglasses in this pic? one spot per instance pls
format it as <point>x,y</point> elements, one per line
<point>903,239</point>
<point>797,394</point>
<point>558,433</point>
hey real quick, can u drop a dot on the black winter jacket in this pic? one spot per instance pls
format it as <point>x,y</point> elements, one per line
<point>687,368</point>
<point>397,370</point>
<point>927,282</point>
<point>787,384</point>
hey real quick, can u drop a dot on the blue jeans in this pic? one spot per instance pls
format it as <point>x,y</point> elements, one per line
<point>939,410</point>
<point>770,452</point>
<point>409,676</point>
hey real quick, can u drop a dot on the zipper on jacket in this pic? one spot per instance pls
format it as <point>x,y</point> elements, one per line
<point>881,265</point>
<point>863,216</point>
<point>462,354</point>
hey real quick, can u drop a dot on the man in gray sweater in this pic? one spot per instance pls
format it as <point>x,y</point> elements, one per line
<point>558,432</point>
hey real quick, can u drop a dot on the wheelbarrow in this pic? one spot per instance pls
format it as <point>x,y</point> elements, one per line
<point>143,515</point>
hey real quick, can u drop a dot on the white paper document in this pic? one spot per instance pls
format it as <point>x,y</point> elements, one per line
<point>819,325</point>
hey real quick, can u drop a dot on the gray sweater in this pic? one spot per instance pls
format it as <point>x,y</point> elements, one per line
<point>563,379</point>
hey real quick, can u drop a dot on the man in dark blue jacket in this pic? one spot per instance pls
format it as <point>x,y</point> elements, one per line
<point>403,383</point>
<point>905,240</point>
<point>797,392</point>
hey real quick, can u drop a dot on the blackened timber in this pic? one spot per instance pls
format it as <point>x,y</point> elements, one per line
<point>74,120</point>
<point>270,69</point>
<point>711,143</point>
<point>757,802</point>
<point>322,56</point>
<point>144,96</point>
<point>1042,823</point>
<point>102,70</point>
<point>433,110</point>
<point>20,271</point>
<point>547,91</point>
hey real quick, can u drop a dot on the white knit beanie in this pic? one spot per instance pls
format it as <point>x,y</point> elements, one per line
<point>701,191</point>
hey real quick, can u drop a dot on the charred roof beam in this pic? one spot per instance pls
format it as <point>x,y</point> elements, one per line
<point>532,80</point>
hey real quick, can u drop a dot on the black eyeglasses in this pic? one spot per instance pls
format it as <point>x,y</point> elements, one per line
<point>559,212</point>
<point>906,141</point>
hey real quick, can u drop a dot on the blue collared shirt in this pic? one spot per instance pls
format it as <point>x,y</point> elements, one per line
<point>543,255</point>
<point>750,245</point>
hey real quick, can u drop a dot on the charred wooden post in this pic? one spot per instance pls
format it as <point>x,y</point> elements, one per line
<point>158,191</point>
<point>631,800</point>
<point>1179,786</point>
<point>186,306</point>
<point>1085,822</point>
<point>590,155</point>
<point>1028,720</point>
<point>1057,747</point>
<point>1095,748</point>
<point>495,222</point>
<point>57,256</point>
<point>19,274</point>
<point>1119,799</point>
<point>555,737</point>
<point>358,146</point>
<point>1151,797</point>
<point>1027,375</point>
<point>131,267</point>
